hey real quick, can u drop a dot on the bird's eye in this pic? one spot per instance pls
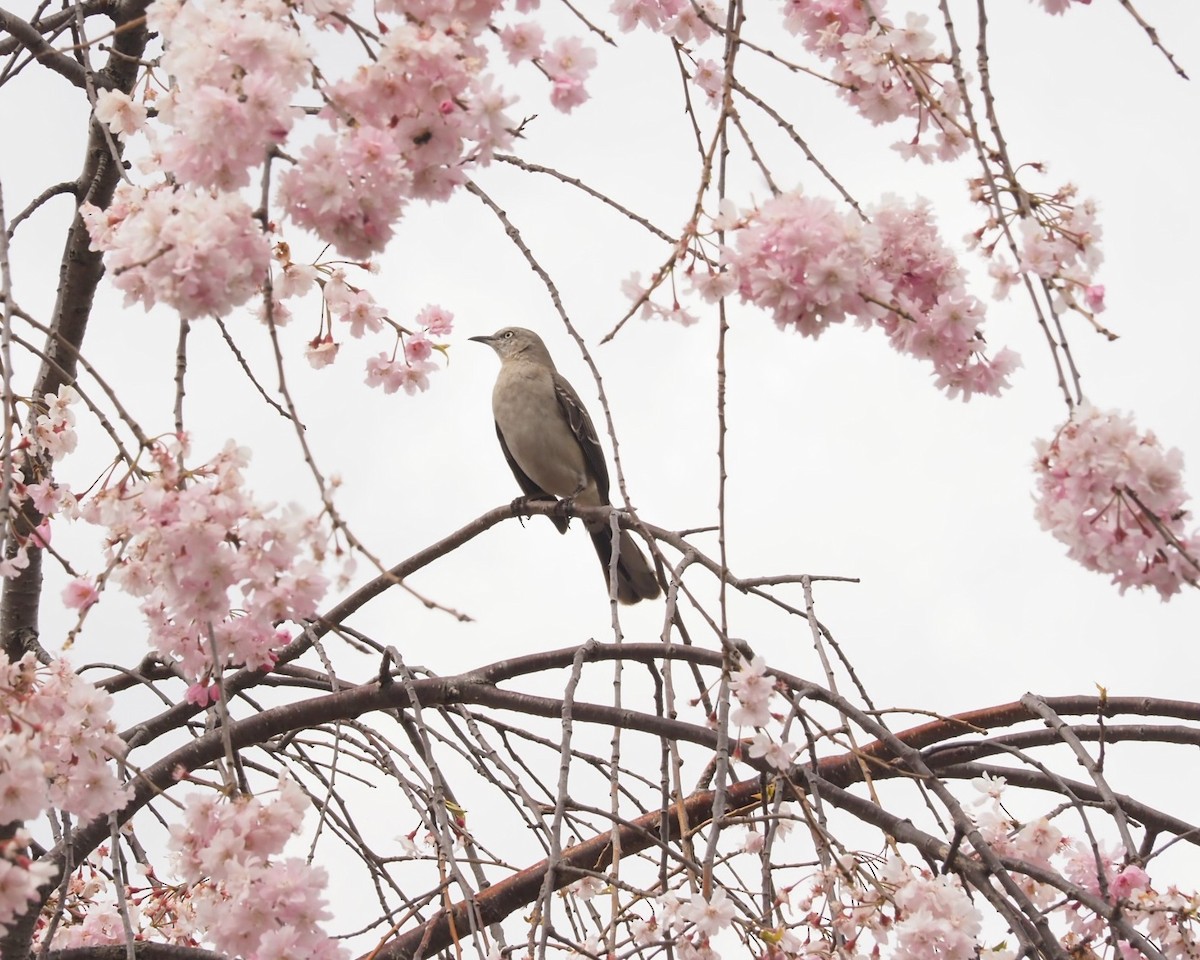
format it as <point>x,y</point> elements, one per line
<point>507,334</point>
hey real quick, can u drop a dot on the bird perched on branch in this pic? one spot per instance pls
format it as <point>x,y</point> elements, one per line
<point>550,444</point>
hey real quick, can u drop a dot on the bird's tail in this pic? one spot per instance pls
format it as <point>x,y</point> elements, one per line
<point>635,576</point>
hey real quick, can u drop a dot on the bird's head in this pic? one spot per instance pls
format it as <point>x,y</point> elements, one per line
<point>512,343</point>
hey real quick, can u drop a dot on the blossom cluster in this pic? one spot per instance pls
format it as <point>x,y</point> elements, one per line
<point>200,251</point>
<point>752,687</point>
<point>1107,871</point>
<point>887,72</point>
<point>251,902</point>
<point>405,126</point>
<point>690,923</point>
<point>1115,497</point>
<point>217,573</point>
<point>53,436</point>
<point>1058,245</point>
<point>349,307</point>
<point>812,265</point>
<point>684,21</point>
<point>91,913</point>
<point>235,69</point>
<point>56,743</point>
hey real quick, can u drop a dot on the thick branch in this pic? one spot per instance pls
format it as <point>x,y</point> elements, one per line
<point>28,37</point>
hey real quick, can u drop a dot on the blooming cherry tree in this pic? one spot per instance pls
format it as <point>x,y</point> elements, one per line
<point>207,747</point>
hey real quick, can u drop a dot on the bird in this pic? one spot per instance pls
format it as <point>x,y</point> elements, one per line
<point>552,448</point>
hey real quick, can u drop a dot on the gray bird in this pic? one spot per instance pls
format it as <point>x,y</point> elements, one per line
<point>550,444</point>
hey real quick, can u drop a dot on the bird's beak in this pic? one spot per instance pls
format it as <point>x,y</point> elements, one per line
<point>484,339</point>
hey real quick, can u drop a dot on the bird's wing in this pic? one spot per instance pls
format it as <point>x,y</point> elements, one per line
<point>581,425</point>
<point>528,487</point>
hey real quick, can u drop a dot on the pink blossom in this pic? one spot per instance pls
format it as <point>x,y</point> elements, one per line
<point>120,114</point>
<point>407,125</point>
<point>935,919</point>
<point>296,279</point>
<point>216,572</point>
<point>777,755</point>
<point>45,496</point>
<point>567,93</point>
<point>1038,840</point>
<point>642,13</point>
<point>1115,497</point>
<point>200,252</point>
<point>753,688</point>
<point>202,694</point>
<point>40,535</point>
<point>80,594</point>
<point>1093,296</point>
<point>812,266</point>
<point>417,348</point>
<point>522,41</point>
<point>19,884</point>
<point>361,311</point>
<point>51,716</point>
<point>568,57</point>
<point>349,191</point>
<point>1086,864</point>
<point>709,76</point>
<point>991,787</point>
<point>813,18</point>
<point>22,777</point>
<point>1060,6</point>
<point>687,25</point>
<point>709,916</point>
<point>251,902</point>
<point>886,71</point>
<point>321,352</point>
<point>235,71</point>
<point>12,566</point>
<point>1132,879</point>
<point>436,321</point>
<point>53,431</point>
<point>392,374</point>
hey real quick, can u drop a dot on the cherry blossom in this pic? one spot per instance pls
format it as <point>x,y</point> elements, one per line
<point>812,265</point>
<point>522,41</point>
<point>1060,6</point>
<point>80,593</point>
<point>235,70</point>
<point>119,113</point>
<point>777,755</point>
<point>709,76</point>
<point>54,430</point>
<point>1115,497</point>
<point>195,551</point>
<point>56,741</point>
<point>12,566</point>
<point>392,374</point>
<point>248,900</point>
<point>200,252</point>
<point>753,687</point>
<point>887,72</point>
<point>568,63</point>
<point>436,321</point>
<point>709,915</point>
<point>20,877</point>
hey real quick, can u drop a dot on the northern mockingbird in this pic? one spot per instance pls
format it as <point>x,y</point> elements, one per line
<point>550,444</point>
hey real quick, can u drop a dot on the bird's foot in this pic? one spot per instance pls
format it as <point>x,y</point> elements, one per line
<point>520,506</point>
<point>564,508</point>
